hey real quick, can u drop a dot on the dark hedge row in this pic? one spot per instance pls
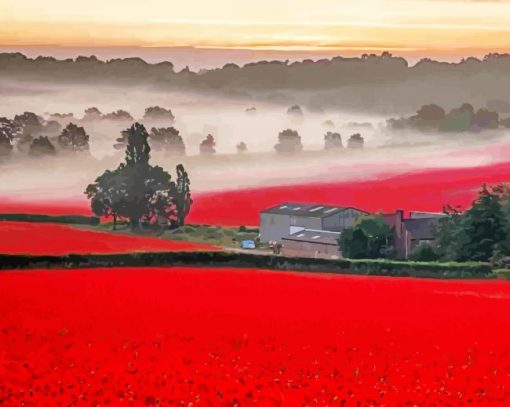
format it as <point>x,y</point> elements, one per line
<point>241,260</point>
<point>73,219</point>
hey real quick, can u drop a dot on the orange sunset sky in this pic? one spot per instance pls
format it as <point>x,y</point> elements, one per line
<point>406,27</point>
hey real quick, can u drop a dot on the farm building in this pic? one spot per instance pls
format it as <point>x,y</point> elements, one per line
<point>311,243</point>
<point>409,232</point>
<point>418,230</point>
<point>288,218</point>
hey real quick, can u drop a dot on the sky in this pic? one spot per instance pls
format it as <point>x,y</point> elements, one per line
<point>405,27</point>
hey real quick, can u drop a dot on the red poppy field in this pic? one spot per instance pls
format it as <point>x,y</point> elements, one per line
<point>425,190</point>
<point>55,239</point>
<point>182,336</point>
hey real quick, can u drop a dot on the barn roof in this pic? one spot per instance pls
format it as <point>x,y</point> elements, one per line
<point>306,210</point>
<point>421,228</point>
<point>314,236</point>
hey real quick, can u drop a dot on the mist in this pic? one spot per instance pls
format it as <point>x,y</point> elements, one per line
<point>198,114</point>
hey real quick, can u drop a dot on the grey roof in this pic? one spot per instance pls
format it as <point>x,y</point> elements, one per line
<point>421,228</point>
<point>306,210</point>
<point>426,215</point>
<point>314,236</point>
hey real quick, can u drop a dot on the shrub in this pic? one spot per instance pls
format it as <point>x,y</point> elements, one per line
<point>424,252</point>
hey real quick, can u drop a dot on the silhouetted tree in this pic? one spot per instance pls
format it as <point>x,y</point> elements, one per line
<point>356,141</point>
<point>505,122</point>
<point>41,146</point>
<point>60,117</point>
<point>52,128</point>
<point>241,147</point>
<point>167,139</point>
<point>119,116</point>
<point>74,138</point>
<point>30,124</point>
<point>137,149</point>
<point>458,120</point>
<point>144,193</point>
<point>332,140</point>
<point>5,145</point>
<point>289,141</point>
<point>251,110</point>
<point>183,199</point>
<point>92,114</point>
<point>107,194</point>
<point>159,113</point>
<point>431,113</point>
<point>485,119</point>
<point>295,110</point>
<point>207,145</point>
<point>9,131</point>
<point>328,124</point>
<point>121,142</point>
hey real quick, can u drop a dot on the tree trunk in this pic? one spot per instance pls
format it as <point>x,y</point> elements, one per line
<point>135,224</point>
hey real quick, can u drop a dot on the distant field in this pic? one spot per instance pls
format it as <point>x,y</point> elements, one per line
<point>47,238</point>
<point>427,190</point>
<point>217,337</point>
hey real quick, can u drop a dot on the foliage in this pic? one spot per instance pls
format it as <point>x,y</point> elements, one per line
<point>119,116</point>
<point>332,140</point>
<point>461,119</point>
<point>183,199</point>
<point>70,219</point>
<point>167,139</point>
<point>484,226</point>
<point>207,145</point>
<point>369,238</point>
<point>242,260</point>
<point>9,130</point>
<point>356,141</point>
<point>295,110</point>
<point>479,234</point>
<point>241,147</point>
<point>74,138</point>
<point>159,113</point>
<point>92,114</point>
<point>289,141</point>
<point>30,124</point>
<point>458,119</point>
<point>424,252</point>
<point>139,191</point>
<point>41,146</point>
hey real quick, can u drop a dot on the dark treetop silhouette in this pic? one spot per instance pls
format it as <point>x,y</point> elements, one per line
<point>138,191</point>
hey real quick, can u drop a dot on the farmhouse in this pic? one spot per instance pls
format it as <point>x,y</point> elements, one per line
<point>313,230</point>
<point>288,218</point>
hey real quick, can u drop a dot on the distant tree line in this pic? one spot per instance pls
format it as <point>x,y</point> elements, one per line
<point>305,74</point>
<point>289,141</point>
<point>36,136</point>
<point>464,118</point>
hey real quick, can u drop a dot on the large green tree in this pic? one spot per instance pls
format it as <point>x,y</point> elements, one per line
<point>484,226</point>
<point>370,238</point>
<point>138,191</point>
